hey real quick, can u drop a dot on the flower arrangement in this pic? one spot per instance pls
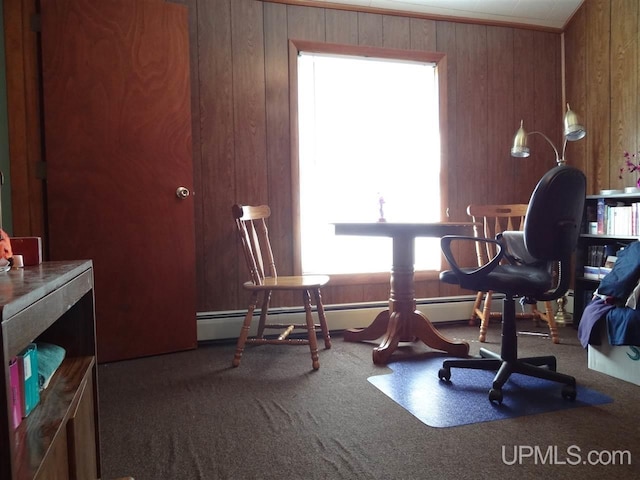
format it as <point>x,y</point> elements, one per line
<point>631,164</point>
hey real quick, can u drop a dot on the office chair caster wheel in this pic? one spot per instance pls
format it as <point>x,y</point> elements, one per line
<point>444,374</point>
<point>569,392</point>
<point>495,396</point>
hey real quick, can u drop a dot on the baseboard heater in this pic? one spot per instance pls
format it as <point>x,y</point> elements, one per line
<point>226,324</point>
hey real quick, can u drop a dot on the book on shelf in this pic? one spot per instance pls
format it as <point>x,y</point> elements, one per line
<point>28,370</point>
<point>600,260</point>
<point>15,386</point>
<point>618,218</point>
<point>600,216</point>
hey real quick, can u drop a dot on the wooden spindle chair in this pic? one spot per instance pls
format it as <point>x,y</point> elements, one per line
<point>254,237</point>
<point>495,219</point>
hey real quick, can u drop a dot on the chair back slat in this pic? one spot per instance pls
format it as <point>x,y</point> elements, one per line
<point>254,238</point>
<point>495,219</point>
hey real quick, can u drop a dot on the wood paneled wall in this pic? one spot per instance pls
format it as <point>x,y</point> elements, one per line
<point>602,62</point>
<point>496,76</point>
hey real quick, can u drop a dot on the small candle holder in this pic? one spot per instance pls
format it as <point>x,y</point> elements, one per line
<point>562,317</point>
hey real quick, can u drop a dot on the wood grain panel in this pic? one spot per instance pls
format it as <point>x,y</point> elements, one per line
<point>305,23</point>
<point>423,34</point>
<point>524,108</point>
<point>579,153</point>
<point>116,91</point>
<point>396,32</point>
<point>196,153</point>
<point>548,111</point>
<point>624,86</point>
<point>471,85</point>
<point>249,116</point>
<point>595,18</point>
<point>500,166</point>
<point>217,150</point>
<point>446,42</point>
<point>23,104</point>
<point>341,27</point>
<point>278,142</point>
<point>370,29</point>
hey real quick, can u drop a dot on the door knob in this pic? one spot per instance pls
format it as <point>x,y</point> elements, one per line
<point>182,192</point>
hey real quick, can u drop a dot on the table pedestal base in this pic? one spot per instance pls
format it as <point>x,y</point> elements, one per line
<point>397,329</point>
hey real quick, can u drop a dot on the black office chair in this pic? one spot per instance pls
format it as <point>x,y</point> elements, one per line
<point>538,269</point>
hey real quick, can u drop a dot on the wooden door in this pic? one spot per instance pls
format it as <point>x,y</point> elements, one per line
<point>117,126</point>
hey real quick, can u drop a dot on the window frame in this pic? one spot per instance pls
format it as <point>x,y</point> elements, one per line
<point>297,46</point>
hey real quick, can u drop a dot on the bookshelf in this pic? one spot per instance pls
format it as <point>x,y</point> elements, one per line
<point>52,302</point>
<point>604,232</point>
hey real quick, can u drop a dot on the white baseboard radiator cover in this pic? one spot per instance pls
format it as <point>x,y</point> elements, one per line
<point>226,324</point>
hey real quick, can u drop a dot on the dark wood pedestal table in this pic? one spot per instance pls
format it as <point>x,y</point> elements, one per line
<point>402,322</point>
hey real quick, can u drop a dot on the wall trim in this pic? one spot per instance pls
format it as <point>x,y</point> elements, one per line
<point>225,325</point>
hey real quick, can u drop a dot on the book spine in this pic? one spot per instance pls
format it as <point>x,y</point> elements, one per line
<point>600,216</point>
<point>28,369</point>
<point>15,386</point>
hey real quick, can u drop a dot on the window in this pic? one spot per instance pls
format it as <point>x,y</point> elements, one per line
<point>368,137</point>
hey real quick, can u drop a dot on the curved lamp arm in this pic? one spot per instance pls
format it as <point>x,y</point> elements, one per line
<point>572,131</point>
<point>559,159</point>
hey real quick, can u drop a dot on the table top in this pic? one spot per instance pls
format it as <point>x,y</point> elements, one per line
<point>393,229</point>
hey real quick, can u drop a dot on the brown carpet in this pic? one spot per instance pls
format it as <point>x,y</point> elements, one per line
<point>191,416</point>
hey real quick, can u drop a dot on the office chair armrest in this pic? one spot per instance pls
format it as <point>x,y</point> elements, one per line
<point>445,244</point>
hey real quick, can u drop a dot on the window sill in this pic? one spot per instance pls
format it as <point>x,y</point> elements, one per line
<point>376,278</point>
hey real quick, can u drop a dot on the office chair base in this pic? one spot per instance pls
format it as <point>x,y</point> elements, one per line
<point>539,367</point>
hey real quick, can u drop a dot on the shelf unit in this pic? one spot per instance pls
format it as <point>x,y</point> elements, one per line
<point>584,287</point>
<point>52,302</point>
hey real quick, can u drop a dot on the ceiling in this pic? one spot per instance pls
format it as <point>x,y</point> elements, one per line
<point>544,13</point>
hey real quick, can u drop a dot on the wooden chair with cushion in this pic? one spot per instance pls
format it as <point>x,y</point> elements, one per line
<point>495,219</point>
<point>254,236</point>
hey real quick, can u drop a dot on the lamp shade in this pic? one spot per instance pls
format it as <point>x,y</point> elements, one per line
<point>519,148</point>
<point>573,130</point>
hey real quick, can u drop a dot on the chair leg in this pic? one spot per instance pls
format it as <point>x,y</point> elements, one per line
<point>507,362</point>
<point>266,299</point>
<point>322,318</point>
<point>551,321</point>
<point>473,320</point>
<point>244,331</point>
<point>311,330</point>
<point>486,317</point>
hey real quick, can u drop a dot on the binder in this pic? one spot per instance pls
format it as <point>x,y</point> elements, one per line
<point>15,402</point>
<point>28,370</point>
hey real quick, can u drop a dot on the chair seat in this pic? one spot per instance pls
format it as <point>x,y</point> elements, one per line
<point>302,282</point>
<point>518,280</point>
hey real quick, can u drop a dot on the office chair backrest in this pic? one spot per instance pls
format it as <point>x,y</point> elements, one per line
<point>554,215</point>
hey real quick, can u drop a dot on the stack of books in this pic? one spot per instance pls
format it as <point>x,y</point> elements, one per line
<point>618,218</point>
<point>599,262</point>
